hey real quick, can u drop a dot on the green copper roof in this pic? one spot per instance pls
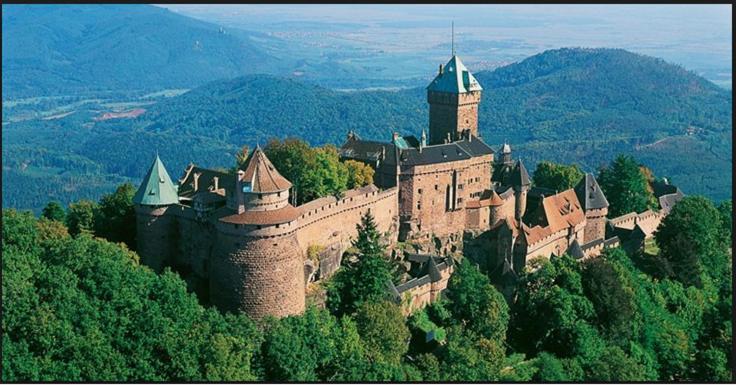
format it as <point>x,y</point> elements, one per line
<point>454,78</point>
<point>156,188</point>
<point>401,143</point>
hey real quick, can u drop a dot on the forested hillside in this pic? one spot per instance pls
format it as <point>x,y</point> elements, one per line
<point>73,49</point>
<point>81,308</point>
<point>571,105</point>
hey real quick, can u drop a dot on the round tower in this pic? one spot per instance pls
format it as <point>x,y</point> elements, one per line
<point>258,267</point>
<point>521,183</point>
<point>155,226</point>
<point>495,209</point>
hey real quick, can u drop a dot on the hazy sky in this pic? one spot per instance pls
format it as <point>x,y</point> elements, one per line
<point>695,36</point>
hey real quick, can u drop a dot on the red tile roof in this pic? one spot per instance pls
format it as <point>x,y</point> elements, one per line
<point>262,175</point>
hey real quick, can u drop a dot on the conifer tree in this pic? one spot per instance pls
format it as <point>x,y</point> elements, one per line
<point>366,277</point>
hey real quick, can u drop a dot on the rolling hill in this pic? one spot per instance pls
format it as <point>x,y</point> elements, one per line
<point>73,49</point>
<point>570,105</point>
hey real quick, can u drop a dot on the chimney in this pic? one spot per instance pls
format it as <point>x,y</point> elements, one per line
<point>216,180</point>
<point>196,181</point>
<point>239,199</point>
<point>441,68</point>
<point>448,140</point>
<point>395,136</point>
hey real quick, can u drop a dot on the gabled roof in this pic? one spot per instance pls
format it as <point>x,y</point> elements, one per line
<point>519,176</point>
<point>262,175</point>
<point>558,212</point>
<point>454,78</point>
<point>495,199</point>
<point>156,188</point>
<point>206,180</point>
<point>590,194</point>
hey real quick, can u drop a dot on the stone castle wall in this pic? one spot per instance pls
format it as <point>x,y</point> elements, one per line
<point>595,225</point>
<point>556,243</point>
<point>330,223</point>
<point>426,196</point>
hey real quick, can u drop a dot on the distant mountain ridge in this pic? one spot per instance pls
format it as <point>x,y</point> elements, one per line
<point>579,106</point>
<point>52,50</point>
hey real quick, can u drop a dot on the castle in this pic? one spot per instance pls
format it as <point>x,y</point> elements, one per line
<point>246,247</point>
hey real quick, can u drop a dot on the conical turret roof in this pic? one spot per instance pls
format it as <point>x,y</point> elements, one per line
<point>454,78</point>
<point>262,175</point>
<point>590,194</point>
<point>156,188</point>
<point>519,176</point>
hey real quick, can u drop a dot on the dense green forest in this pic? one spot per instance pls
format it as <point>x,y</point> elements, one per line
<point>83,49</point>
<point>571,105</point>
<point>78,306</point>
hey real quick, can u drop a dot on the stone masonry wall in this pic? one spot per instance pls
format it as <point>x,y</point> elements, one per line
<point>154,230</point>
<point>333,225</point>
<point>595,225</point>
<point>258,276</point>
<point>424,200</point>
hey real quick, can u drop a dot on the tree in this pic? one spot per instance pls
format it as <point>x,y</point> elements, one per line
<point>613,299</point>
<point>54,211</point>
<point>359,174</point>
<point>551,312</point>
<point>725,211</point>
<point>364,279</point>
<point>293,158</point>
<point>316,172</point>
<point>328,176</point>
<point>82,309</point>
<point>689,239</point>
<point>115,216</point>
<point>625,187</point>
<point>468,357</point>
<point>300,348</point>
<point>80,217</point>
<point>613,365</point>
<point>383,329</point>
<point>556,176</point>
<point>476,303</point>
<point>241,158</point>
<point>553,369</point>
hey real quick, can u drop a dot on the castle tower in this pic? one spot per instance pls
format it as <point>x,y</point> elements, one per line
<point>521,183</point>
<point>258,267</point>
<point>594,205</point>
<point>495,204</point>
<point>453,98</point>
<point>154,228</point>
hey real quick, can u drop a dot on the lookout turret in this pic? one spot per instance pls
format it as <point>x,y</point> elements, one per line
<point>156,194</point>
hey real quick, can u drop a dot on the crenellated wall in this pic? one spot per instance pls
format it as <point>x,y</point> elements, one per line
<point>330,222</point>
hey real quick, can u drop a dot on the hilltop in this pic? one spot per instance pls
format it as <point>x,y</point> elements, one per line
<point>579,106</point>
<point>73,49</point>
